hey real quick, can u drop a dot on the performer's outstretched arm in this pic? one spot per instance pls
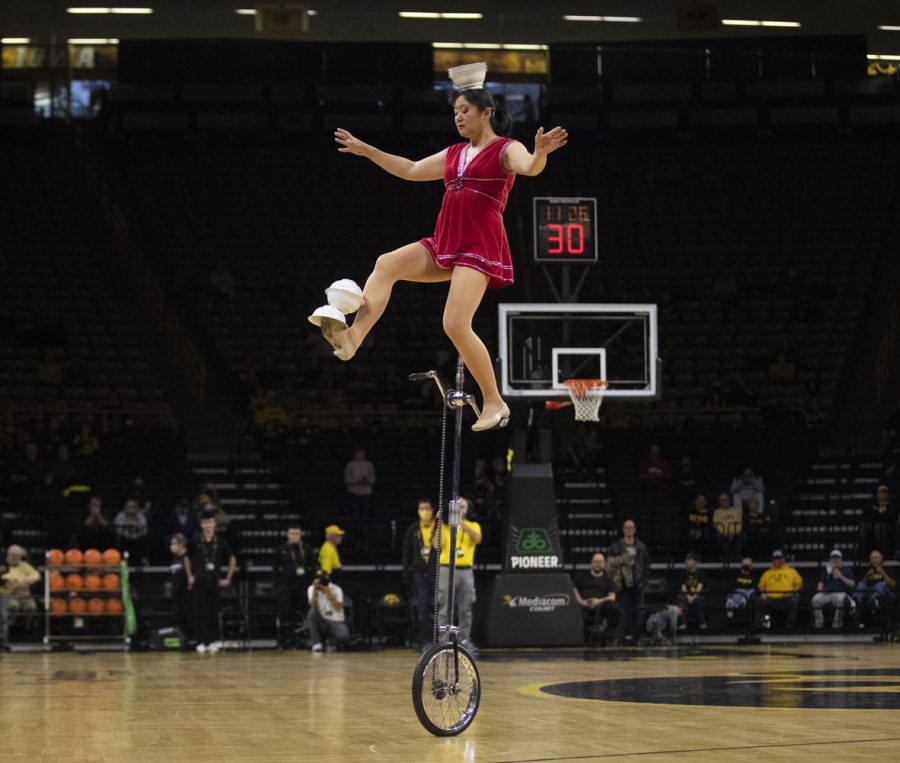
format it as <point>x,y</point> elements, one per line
<point>429,168</point>
<point>518,160</point>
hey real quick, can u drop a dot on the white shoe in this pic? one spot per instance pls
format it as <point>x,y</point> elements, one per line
<point>499,419</point>
<point>201,648</point>
<point>316,648</point>
<point>215,646</point>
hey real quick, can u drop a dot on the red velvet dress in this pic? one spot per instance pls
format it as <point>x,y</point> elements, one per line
<point>469,230</point>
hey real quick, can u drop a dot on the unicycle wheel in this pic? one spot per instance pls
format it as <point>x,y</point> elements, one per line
<point>446,689</point>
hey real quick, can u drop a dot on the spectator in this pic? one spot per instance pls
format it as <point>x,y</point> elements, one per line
<point>467,538</point>
<point>727,528</point>
<point>744,589</point>
<point>181,596</point>
<point>359,477</point>
<point>782,370</point>
<point>63,473</point>
<point>686,487</point>
<point>141,495</point>
<point>746,487</point>
<point>691,598</point>
<point>596,596</point>
<point>131,531</point>
<point>879,525</point>
<point>85,444</point>
<point>698,524</point>
<point>833,590</point>
<point>419,568</point>
<point>876,591</point>
<point>326,612</point>
<point>654,471</point>
<point>756,528</point>
<point>18,579</point>
<point>779,590</point>
<point>203,568</point>
<point>631,553</point>
<point>329,558</point>
<point>500,472</point>
<point>585,449</point>
<point>182,520</point>
<point>663,625</point>
<point>95,530</point>
<point>292,573</point>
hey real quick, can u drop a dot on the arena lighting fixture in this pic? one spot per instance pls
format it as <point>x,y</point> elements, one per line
<point>883,57</point>
<point>613,19</point>
<point>752,22</point>
<point>93,41</point>
<point>439,15</point>
<point>489,46</point>
<point>889,28</point>
<point>252,12</point>
<point>15,40</point>
<point>119,11</point>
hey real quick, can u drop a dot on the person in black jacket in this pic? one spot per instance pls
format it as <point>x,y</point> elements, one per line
<point>634,555</point>
<point>419,564</point>
<point>292,574</point>
<point>181,596</point>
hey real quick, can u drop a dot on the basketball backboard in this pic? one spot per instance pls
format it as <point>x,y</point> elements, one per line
<point>542,345</point>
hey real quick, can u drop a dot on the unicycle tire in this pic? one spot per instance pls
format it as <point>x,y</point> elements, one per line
<point>446,706</point>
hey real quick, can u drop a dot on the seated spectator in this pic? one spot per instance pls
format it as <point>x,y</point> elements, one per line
<point>596,596</point>
<point>662,626</point>
<point>833,590</point>
<point>755,528</point>
<point>779,590</point>
<point>482,489</point>
<point>95,531</point>
<point>182,519</point>
<point>85,444</point>
<point>326,612</point>
<point>691,598</point>
<point>131,531</point>
<point>782,370</point>
<point>63,472</point>
<point>744,589</point>
<point>746,487</point>
<point>18,579</point>
<point>585,450</point>
<point>875,592</point>
<point>728,528</point>
<point>698,524</point>
<point>878,525</point>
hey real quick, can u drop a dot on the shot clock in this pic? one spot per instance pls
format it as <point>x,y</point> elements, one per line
<point>565,230</point>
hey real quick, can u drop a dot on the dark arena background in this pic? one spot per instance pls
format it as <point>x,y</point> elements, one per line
<point>719,240</point>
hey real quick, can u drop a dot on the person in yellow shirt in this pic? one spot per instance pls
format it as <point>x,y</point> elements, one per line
<point>779,589</point>
<point>329,558</point>
<point>467,538</point>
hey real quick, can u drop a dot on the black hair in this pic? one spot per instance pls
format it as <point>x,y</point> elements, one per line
<point>482,99</point>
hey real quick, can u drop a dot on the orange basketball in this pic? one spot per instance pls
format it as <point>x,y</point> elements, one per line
<point>92,582</point>
<point>111,582</point>
<point>55,557</point>
<point>113,607</point>
<point>57,582</point>
<point>73,556</point>
<point>77,606</point>
<point>93,557</point>
<point>111,556</point>
<point>74,582</point>
<point>58,606</point>
<point>96,606</point>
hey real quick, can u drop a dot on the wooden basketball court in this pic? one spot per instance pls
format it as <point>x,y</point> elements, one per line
<point>799,702</point>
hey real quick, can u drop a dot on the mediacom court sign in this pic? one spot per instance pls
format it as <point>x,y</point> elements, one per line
<point>547,603</point>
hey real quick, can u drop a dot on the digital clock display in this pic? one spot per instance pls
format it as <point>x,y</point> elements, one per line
<point>565,230</point>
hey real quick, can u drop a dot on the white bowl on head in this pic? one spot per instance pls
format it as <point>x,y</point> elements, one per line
<point>345,295</point>
<point>468,76</point>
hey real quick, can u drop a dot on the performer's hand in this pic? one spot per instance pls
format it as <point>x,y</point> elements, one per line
<point>548,142</point>
<point>349,144</point>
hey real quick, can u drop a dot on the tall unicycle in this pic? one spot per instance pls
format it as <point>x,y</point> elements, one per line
<point>446,687</point>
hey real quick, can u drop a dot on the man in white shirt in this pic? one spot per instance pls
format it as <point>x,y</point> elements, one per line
<point>326,612</point>
<point>359,477</point>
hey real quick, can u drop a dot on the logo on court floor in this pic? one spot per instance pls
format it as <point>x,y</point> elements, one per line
<point>863,689</point>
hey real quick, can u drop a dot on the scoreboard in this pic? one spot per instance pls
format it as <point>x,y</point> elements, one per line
<point>565,230</point>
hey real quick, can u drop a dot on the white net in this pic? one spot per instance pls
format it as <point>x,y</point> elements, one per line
<point>587,396</point>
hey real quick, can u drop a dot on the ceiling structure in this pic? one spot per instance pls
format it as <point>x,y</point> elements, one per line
<point>501,21</point>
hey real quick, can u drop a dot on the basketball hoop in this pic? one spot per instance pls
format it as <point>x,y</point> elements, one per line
<point>586,395</point>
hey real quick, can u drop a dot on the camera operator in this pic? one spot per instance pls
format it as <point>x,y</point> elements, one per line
<point>326,612</point>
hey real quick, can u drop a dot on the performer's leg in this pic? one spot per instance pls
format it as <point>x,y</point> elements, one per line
<point>408,263</point>
<point>467,289</point>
